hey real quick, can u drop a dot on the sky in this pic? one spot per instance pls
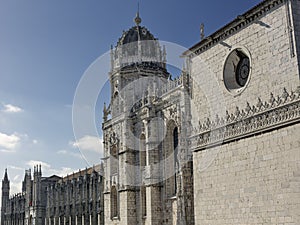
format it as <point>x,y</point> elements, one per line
<point>45,48</point>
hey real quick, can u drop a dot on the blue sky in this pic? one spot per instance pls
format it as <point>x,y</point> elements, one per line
<point>46,46</point>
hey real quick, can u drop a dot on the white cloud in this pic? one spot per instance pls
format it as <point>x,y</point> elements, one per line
<point>34,141</point>
<point>15,186</point>
<point>16,177</point>
<point>64,171</point>
<point>8,108</point>
<point>89,143</point>
<point>9,143</point>
<point>15,167</point>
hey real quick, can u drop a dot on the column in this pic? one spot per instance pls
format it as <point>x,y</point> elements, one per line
<point>82,220</point>
<point>76,220</point>
<point>99,219</point>
<point>70,220</point>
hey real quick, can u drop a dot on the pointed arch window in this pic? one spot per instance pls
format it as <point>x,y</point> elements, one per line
<point>143,163</point>
<point>114,202</point>
<point>171,144</point>
<point>143,155</point>
<point>143,201</point>
<point>175,149</point>
<point>113,160</point>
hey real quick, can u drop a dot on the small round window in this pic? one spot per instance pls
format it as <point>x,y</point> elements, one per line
<point>237,70</point>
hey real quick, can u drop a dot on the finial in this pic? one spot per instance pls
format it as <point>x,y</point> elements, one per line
<point>5,174</point>
<point>164,54</point>
<point>202,31</point>
<point>138,19</point>
<point>105,112</point>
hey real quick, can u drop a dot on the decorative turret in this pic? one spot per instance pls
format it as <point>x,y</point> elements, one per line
<point>5,176</point>
<point>37,176</point>
<point>5,195</point>
<point>27,188</point>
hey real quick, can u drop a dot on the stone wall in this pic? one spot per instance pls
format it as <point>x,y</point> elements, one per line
<point>253,176</point>
<point>267,40</point>
<point>251,181</point>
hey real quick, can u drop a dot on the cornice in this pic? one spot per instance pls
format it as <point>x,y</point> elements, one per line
<point>279,111</point>
<point>234,26</point>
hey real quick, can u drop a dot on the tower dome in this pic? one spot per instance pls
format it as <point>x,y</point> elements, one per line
<point>137,45</point>
<point>135,34</point>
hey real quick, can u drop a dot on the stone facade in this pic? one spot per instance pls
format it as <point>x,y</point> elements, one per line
<point>246,139</point>
<point>75,199</point>
<point>217,145</point>
<point>147,164</point>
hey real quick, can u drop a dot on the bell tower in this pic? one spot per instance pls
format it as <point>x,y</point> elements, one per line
<point>143,127</point>
<point>137,54</point>
<point>138,66</point>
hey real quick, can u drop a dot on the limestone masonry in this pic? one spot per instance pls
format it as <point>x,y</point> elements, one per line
<point>219,144</point>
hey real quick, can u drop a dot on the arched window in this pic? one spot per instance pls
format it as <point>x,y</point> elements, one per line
<point>114,202</point>
<point>143,163</point>
<point>143,155</point>
<point>116,104</point>
<point>175,149</point>
<point>175,138</point>
<point>170,149</point>
<point>113,161</point>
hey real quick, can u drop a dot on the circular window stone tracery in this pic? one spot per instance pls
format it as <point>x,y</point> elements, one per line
<point>237,70</point>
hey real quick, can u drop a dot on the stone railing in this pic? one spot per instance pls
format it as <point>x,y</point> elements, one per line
<point>171,85</point>
<point>264,116</point>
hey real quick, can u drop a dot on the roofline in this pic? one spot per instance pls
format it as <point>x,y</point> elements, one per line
<point>235,25</point>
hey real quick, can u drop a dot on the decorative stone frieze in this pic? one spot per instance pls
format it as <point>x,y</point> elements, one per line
<point>261,117</point>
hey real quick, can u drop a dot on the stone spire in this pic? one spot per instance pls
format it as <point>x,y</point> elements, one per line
<point>5,176</point>
<point>40,169</point>
<point>5,195</point>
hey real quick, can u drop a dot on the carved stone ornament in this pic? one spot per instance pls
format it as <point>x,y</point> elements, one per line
<point>113,139</point>
<point>173,112</point>
<point>261,117</point>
